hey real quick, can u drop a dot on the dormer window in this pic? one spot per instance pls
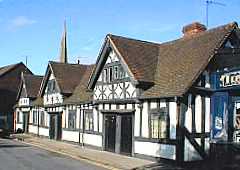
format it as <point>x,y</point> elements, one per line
<point>116,72</point>
<point>110,74</point>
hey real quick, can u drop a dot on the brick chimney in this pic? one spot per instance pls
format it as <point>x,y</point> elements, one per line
<point>193,29</point>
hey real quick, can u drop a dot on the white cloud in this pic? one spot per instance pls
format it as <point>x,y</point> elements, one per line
<point>20,21</point>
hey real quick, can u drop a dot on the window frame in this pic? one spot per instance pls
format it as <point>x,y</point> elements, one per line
<point>160,115</point>
<point>72,123</point>
<point>88,120</point>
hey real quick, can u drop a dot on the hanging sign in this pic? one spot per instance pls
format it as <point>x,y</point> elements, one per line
<point>230,79</point>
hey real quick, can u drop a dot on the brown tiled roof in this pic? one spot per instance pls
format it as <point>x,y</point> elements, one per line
<point>67,75</point>
<point>6,69</point>
<point>38,101</point>
<point>81,94</point>
<point>140,56</point>
<point>32,83</point>
<point>181,62</point>
<point>173,66</point>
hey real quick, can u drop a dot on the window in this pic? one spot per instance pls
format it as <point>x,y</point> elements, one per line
<point>159,123</point>
<point>18,117</point>
<point>72,114</point>
<point>42,118</point>
<point>35,118</point>
<point>89,120</point>
<point>121,73</point>
<point>110,74</point>
<point>105,75</point>
<point>116,72</point>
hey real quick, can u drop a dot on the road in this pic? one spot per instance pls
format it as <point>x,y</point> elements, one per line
<point>19,156</point>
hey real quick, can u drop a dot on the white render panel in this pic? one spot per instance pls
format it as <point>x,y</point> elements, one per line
<point>207,145</point>
<point>91,139</point>
<point>33,129</point>
<point>129,106</point>
<point>104,90</point>
<point>70,136</point>
<point>145,130</point>
<point>163,103</point>
<point>52,98</point>
<point>43,131</point>
<point>155,149</point>
<point>137,120</point>
<point>198,113</point>
<point>95,119</point>
<point>107,107</point>
<point>77,118</point>
<point>173,119</point>
<point>190,154</point>
<point>207,114</point>
<point>188,115</point>
<point>122,106</point>
<point>130,90</point>
<point>113,107</point>
<point>100,122</point>
<point>153,105</point>
<point>19,126</point>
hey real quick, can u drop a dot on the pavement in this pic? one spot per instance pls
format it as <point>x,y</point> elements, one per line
<point>15,155</point>
<point>102,159</point>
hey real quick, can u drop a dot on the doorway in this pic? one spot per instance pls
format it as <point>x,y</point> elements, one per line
<point>118,133</point>
<point>110,132</point>
<point>25,122</point>
<point>126,135</point>
<point>55,127</point>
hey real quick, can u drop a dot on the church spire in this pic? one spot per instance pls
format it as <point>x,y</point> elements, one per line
<point>63,54</point>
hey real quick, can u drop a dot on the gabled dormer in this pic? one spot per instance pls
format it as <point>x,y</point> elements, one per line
<point>29,88</point>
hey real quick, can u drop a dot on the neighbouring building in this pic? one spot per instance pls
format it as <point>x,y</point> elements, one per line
<point>169,100</point>
<point>27,94</point>
<point>10,77</point>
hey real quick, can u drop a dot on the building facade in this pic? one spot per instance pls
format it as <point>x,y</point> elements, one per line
<point>157,101</point>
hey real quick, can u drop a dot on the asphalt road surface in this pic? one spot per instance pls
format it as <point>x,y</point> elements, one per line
<point>18,156</point>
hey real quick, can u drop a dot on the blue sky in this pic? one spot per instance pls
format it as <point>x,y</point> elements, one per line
<point>34,28</point>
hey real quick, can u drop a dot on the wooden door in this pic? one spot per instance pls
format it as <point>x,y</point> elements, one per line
<point>110,132</point>
<point>126,135</point>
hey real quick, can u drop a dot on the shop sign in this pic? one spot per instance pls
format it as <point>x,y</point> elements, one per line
<point>230,79</point>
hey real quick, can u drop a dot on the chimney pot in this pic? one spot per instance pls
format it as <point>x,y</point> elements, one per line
<point>193,28</point>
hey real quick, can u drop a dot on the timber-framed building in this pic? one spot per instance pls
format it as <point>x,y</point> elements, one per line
<point>167,100</point>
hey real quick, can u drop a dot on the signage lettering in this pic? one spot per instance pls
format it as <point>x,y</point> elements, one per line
<point>230,79</point>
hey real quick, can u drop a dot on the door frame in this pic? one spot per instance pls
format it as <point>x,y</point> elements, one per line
<point>118,129</point>
<point>57,116</point>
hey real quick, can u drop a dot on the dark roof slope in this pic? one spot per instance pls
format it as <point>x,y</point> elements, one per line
<point>140,56</point>
<point>181,62</point>
<point>32,83</point>
<point>6,69</point>
<point>171,67</point>
<point>81,94</point>
<point>67,75</point>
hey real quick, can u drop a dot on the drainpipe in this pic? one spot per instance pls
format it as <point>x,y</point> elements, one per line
<point>38,120</point>
<point>79,129</point>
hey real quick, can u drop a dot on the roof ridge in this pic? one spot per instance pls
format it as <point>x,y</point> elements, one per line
<point>133,39</point>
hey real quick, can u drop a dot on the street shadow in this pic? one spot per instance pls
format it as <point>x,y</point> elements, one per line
<point>12,146</point>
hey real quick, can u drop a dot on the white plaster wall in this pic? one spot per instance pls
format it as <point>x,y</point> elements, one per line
<point>43,131</point>
<point>153,105</point>
<point>70,136</point>
<point>91,139</point>
<point>33,129</point>
<point>95,119</point>
<point>198,113</point>
<point>155,149</point>
<point>188,115</point>
<point>145,130</point>
<point>100,122</point>
<point>19,126</point>
<point>129,106</point>
<point>207,114</point>
<point>24,101</point>
<point>57,98</point>
<point>137,120</point>
<point>77,118</point>
<point>207,145</point>
<point>190,154</point>
<point>173,119</point>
